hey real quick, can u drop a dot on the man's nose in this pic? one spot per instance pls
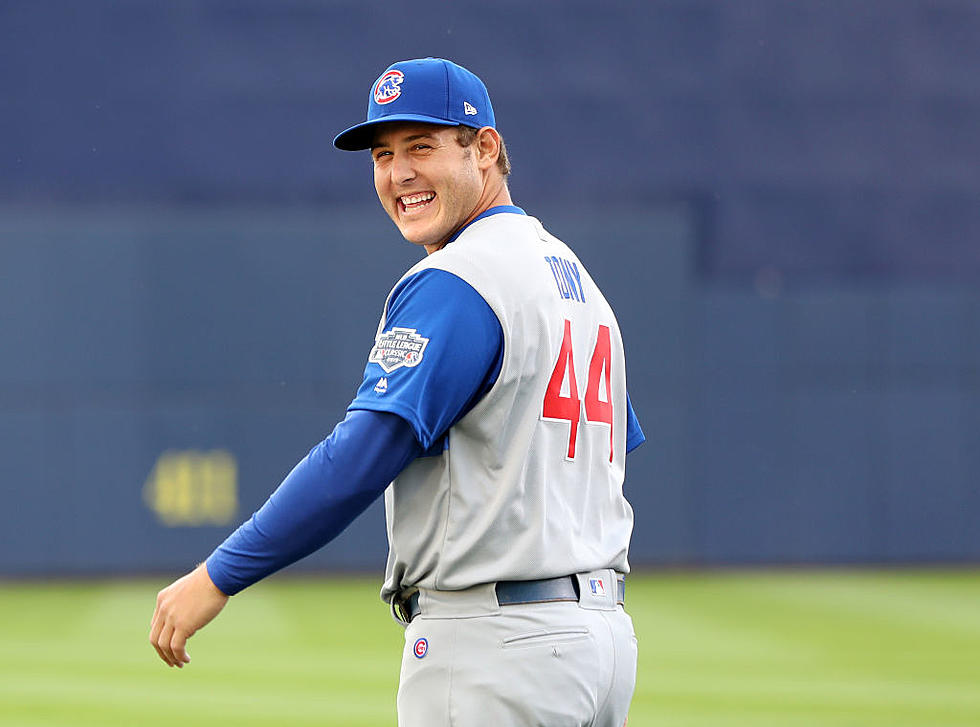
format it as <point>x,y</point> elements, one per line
<point>402,169</point>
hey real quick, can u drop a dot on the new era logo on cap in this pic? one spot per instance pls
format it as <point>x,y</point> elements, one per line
<point>468,109</point>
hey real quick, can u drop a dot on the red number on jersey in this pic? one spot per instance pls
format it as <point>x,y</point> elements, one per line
<point>557,406</point>
<point>597,410</point>
<point>569,407</point>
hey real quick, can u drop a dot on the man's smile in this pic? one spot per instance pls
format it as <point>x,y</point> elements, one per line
<point>413,203</point>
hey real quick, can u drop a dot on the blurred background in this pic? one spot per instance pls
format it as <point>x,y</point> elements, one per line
<point>780,199</point>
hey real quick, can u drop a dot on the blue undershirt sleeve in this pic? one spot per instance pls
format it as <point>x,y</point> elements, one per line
<point>330,487</point>
<point>634,434</point>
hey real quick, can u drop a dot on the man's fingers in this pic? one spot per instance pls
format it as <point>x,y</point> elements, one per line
<point>163,645</point>
<point>184,607</point>
<point>156,627</point>
<point>169,641</point>
<point>159,650</point>
<point>178,642</point>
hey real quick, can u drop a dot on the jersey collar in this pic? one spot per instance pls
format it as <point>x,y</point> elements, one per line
<point>500,208</point>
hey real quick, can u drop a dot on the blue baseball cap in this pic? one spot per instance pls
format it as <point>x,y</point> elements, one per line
<point>427,90</point>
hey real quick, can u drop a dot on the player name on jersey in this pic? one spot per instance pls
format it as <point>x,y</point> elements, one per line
<point>567,278</point>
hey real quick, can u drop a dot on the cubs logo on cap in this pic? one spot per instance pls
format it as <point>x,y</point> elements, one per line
<point>424,90</point>
<point>387,88</point>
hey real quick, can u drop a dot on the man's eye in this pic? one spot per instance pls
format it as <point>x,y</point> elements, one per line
<point>421,146</point>
<point>380,154</point>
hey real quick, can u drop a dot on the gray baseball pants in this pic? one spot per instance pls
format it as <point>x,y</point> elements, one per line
<point>469,662</point>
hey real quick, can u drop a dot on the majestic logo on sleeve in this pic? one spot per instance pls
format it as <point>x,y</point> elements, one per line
<point>387,88</point>
<point>398,347</point>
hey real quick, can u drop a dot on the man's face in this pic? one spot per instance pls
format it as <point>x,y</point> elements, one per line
<point>428,184</point>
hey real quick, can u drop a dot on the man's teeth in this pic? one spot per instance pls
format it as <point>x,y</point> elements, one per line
<point>417,198</point>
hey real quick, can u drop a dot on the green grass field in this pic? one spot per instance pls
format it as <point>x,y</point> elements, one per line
<point>752,649</point>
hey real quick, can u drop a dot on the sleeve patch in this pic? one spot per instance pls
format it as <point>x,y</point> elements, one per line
<point>398,347</point>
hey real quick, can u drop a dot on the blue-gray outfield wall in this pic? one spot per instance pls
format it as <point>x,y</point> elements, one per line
<point>825,423</point>
<point>802,324</point>
<point>835,137</point>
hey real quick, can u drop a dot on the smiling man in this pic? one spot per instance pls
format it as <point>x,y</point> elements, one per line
<point>430,184</point>
<point>494,403</point>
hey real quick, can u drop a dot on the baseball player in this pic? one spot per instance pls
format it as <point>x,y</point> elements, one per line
<point>494,403</point>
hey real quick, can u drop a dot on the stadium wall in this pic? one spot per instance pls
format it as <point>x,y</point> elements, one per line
<point>780,199</point>
<point>164,369</point>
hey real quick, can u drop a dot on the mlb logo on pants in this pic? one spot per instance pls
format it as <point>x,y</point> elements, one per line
<point>595,584</point>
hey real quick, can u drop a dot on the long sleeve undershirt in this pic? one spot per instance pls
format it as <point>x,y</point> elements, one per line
<point>323,494</point>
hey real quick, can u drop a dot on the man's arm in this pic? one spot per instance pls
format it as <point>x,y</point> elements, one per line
<point>330,487</point>
<point>346,472</point>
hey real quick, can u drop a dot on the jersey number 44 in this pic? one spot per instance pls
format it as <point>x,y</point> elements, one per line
<point>568,407</point>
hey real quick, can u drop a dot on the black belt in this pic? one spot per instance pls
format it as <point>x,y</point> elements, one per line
<point>514,593</point>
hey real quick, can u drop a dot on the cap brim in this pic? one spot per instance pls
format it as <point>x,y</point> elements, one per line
<point>361,136</point>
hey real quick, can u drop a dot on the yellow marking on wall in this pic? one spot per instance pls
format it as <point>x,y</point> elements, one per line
<point>191,488</point>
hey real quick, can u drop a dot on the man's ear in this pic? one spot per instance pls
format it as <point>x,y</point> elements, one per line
<point>487,147</point>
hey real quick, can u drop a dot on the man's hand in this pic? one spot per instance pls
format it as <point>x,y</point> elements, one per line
<point>183,607</point>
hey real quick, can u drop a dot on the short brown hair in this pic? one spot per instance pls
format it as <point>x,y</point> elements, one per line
<point>466,135</point>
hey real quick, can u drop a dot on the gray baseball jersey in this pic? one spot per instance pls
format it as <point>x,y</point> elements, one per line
<point>530,485</point>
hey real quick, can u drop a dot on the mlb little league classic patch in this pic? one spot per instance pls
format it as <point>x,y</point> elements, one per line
<point>398,347</point>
